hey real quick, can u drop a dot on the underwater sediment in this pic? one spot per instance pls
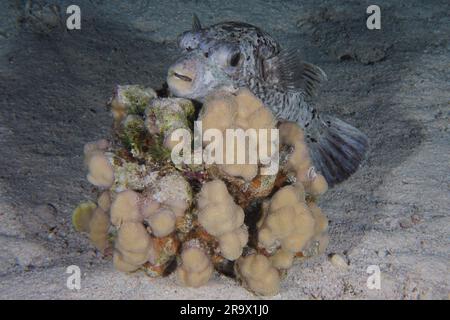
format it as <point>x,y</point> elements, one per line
<point>157,217</point>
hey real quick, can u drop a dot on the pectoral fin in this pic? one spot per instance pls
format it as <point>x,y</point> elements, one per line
<point>297,74</point>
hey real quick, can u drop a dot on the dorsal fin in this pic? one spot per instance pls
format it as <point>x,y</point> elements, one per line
<point>297,74</point>
<point>196,25</point>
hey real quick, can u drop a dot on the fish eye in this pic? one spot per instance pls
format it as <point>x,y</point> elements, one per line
<point>234,59</point>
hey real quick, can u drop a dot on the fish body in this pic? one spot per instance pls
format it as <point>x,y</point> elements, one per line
<point>232,55</point>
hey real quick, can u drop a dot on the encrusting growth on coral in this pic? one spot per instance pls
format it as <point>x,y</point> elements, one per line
<point>130,100</point>
<point>164,116</point>
<point>82,215</point>
<point>156,217</point>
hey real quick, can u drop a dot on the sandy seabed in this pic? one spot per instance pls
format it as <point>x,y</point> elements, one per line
<point>393,84</point>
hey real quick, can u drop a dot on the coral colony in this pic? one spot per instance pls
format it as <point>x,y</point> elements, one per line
<point>162,208</point>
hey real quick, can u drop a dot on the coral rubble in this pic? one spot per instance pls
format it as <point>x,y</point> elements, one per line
<point>157,217</point>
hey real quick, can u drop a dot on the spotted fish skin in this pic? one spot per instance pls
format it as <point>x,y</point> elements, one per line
<point>232,55</point>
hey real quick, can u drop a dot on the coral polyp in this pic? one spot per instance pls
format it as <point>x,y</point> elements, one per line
<point>154,216</point>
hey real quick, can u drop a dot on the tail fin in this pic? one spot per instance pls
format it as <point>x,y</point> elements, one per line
<point>336,148</point>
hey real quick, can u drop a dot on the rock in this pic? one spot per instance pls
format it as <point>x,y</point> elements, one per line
<point>416,218</point>
<point>371,55</point>
<point>338,261</point>
<point>42,219</point>
<point>47,214</point>
<point>405,223</point>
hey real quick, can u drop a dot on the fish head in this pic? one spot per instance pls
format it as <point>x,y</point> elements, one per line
<point>221,57</point>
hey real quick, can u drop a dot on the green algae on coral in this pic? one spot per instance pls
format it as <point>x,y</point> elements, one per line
<point>131,100</point>
<point>134,135</point>
<point>131,175</point>
<point>157,151</point>
<point>164,116</point>
<point>149,138</point>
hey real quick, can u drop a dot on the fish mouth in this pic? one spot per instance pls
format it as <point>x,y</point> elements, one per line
<point>181,81</point>
<point>182,76</point>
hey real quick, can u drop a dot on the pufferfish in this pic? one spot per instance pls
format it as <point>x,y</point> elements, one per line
<point>232,55</point>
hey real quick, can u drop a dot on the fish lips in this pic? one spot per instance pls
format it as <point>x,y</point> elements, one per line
<point>181,78</point>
